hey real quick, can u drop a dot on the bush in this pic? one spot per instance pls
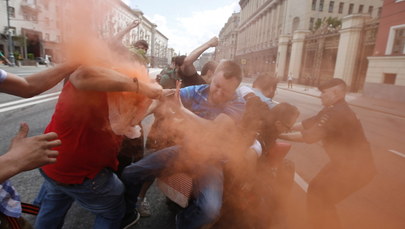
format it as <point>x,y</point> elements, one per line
<point>30,56</point>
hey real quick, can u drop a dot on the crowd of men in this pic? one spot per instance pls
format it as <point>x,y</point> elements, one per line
<point>204,125</point>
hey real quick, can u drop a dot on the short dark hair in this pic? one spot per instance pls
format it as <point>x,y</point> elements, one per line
<point>265,80</point>
<point>210,65</point>
<point>141,42</point>
<point>230,68</point>
<point>179,60</point>
<point>284,112</point>
<point>331,83</point>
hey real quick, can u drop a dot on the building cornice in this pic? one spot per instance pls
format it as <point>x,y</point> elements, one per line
<point>266,6</point>
<point>387,58</point>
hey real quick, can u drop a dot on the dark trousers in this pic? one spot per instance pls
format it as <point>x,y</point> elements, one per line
<point>131,150</point>
<point>329,187</point>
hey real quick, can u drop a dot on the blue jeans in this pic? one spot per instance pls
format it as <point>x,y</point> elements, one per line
<point>40,196</point>
<point>102,195</point>
<point>207,186</point>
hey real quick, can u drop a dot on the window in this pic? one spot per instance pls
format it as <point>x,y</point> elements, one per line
<point>11,11</point>
<point>399,42</point>
<point>361,9</point>
<point>351,6</point>
<point>321,5</point>
<point>396,40</point>
<point>318,23</point>
<point>370,10</point>
<point>341,4</point>
<point>26,16</point>
<point>311,23</point>
<point>379,11</point>
<point>331,3</point>
<point>313,4</point>
<point>47,36</point>
<point>389,78</point>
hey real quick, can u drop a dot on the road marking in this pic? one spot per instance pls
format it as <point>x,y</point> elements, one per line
<point>27,104</point>
<point>397,153</point>
<point>30,99</point>
<point>301,182</point>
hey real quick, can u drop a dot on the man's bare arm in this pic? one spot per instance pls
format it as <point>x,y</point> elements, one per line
<point>36,83</point>
<point>118,37</point>
<point>187,67</point>
<point>96,78</point>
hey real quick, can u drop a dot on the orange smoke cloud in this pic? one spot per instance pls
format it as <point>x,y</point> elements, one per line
<point>86,41</point>
<point>248,188</point>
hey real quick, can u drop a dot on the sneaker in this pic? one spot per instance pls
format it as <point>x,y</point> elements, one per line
<point>130,219</point>
<point>143,208</point>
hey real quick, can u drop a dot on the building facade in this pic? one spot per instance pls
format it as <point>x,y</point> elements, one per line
<point>204,58</point>
<point>271,30</point>
<point>33,26</point>
<point>386,69</point>
<point>38,27</point>
<point>228,37</point>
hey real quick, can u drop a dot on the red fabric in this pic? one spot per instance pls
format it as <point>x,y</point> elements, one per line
<point>88,144</point>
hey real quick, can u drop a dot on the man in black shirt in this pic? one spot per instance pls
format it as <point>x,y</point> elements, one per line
<point>351,164</point>
<point>184,65</point>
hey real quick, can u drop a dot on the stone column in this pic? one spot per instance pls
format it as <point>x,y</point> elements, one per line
<point>266,27</point>
<point>348,49</point>
<point>282,55</point>
<point>296,52</point>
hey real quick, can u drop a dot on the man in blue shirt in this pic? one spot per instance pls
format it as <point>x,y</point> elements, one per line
<point>201,109</point>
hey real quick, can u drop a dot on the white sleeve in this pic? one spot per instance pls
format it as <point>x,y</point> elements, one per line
<point>244,90</point>
<point>257,147</point>
<point>3,75</point>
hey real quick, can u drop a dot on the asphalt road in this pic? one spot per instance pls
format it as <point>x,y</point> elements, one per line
<point>379,205</point>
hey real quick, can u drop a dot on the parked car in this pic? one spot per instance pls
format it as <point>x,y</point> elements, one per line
<point>41,60</point>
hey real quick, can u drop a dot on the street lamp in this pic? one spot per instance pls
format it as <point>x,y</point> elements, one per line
<point>9,38</point>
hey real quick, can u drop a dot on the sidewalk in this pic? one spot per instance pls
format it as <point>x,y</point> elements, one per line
<point>354,99</point>
<point>16,69</point>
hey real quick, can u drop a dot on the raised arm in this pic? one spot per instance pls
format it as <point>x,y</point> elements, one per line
<point>118,37</point>
<point>187,67</point>
<point>104,79</point>
<point>36,83</point>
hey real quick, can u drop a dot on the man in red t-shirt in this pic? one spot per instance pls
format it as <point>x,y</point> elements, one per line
<point>88,154</point>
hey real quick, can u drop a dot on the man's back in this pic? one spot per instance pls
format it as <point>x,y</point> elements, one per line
<point>89,145</point>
